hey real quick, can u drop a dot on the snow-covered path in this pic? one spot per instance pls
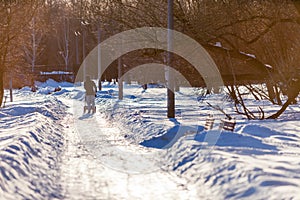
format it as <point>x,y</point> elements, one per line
<point>85,175</point>
<point>49,149</point>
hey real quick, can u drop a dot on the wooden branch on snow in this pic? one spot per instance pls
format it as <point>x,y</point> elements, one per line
<point>220,109</point>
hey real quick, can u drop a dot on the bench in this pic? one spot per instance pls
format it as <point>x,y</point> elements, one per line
<point>227,124</point>
<point>209,123</point>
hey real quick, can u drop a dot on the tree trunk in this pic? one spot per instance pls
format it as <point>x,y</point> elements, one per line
<point>270,91</point>
<point>297,5</point>
<point>99,84</point>
<point>232,94</point>
<point>1,87</point>
<point>278,99</point>
<point>292,94</point>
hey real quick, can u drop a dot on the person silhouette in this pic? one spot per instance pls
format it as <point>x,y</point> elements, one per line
<point>90,93</point>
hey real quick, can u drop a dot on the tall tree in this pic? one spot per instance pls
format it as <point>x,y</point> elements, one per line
<point>33,45</point>
<point>14,17</point>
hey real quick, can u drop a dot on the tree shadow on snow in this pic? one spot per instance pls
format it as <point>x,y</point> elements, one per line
<point>243,144</point>
<point>85,116</point>
<point>172,135</point>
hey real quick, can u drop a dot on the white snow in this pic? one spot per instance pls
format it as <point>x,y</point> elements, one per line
<point>30,147</point>
<point>55,72</point>
<point>130,150</point>
<point>269,66</point>
<point>248,54</point>
<point>218,44</point>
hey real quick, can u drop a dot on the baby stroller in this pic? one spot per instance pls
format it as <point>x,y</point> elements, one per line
<point>86,107</point>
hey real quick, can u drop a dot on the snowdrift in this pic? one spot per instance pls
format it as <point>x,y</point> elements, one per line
<point>259,160</point>
<point>31,142</point>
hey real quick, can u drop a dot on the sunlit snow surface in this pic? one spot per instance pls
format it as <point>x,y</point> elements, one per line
<point>130,150</point>
<point>30,147</point>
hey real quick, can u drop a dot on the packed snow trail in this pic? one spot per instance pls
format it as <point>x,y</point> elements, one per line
<point>44,157</point>
<point>85,175</point>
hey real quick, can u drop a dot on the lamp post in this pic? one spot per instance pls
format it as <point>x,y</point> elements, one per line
<point>120,63</point>
<point>99,57</point>
<point>77,34</point>
<point>83,23</point>
<point>170,81</point>
<point>66,36</point>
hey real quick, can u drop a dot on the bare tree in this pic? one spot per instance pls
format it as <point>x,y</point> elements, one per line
<point>33,47</point>
<point>252,35</point>
<point>64,44</point>
<point>14,17</point>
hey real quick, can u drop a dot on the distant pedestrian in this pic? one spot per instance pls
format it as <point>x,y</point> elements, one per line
<point>90,93</point>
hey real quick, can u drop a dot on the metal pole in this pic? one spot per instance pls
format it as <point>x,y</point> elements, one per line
<point>67,35</point>
<point>76,43</point>
<point>83,53</point>
<point>99,58</point>
<point>170,81</point>
<point>120,80</point>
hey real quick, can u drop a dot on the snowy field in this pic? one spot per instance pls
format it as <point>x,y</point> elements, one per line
<point>129,149</point>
